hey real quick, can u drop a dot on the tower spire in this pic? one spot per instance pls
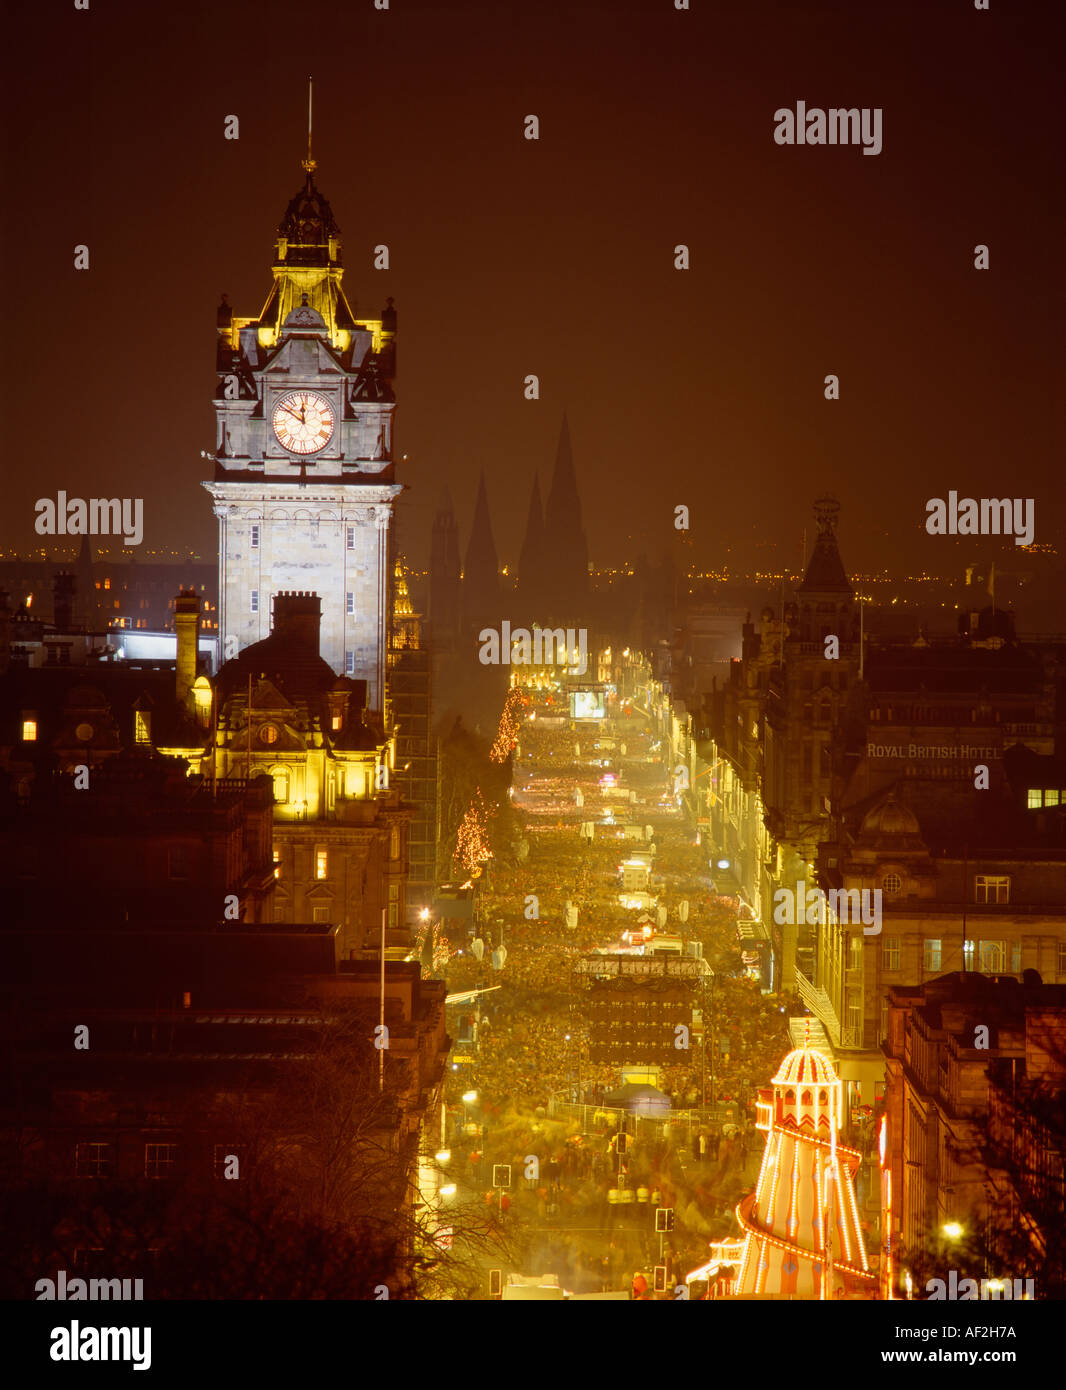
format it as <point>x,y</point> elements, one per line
<point>308,163</point>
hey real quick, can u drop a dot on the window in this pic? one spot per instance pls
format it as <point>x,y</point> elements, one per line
<point>337,722</point>
<point>268,733</point>
<point>1051,797</point>
<point>142,727</point>
<point>890,953</point>
<point>992,888</point>
<point>350,537</point>
<point>29,730</point>
<point>892,885</point>
<point>281,785</point>
<point>1016,957</point>
<point>321,914</point>
<point>349,663</point>
<point>178,861</point>
<point>107,583</point>
<point>160,1160</point>
<point>967,955</point>
<point>255,600</point>
<point>349,604</point>
<point>94,1160</point>
<point>255,537</point>
<point>931,953</point>
<point>1062,957</point>
<point>991,957</point>
<point>394,844</point>
<point>277,863</point>
<point>321,862</point>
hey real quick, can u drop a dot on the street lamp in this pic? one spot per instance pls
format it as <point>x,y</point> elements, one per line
<point>443,1157</point>
<point>952,1230</point>
<point>448,1190</point>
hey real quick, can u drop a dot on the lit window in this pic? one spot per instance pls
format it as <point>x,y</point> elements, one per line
<point>394,844</point>
<point>890,953</point>
<point>1035,799</point>
<point>1051,797</point>
<point>992,888</point>
<point>991,957</point>
<point>931,948</point>
<point>94,1160</point>
<point>107,583</point>
<point>255,537</point>
<point>281,785</point>
<point>29,730</point>
<point>967,955</point>
<point>891,885</point>
<point>268,733</point>
<point>160,1160</point>
<point>349,603</point>
<point>142,727</point>
<point>337,721</point>
<point>321,862</point>
<point>277,863</point>
<point>255,600</point>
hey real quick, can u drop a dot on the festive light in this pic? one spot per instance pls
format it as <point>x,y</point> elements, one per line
<point>472,839</point>
<point>510,726</point>
<point>802,1233</point>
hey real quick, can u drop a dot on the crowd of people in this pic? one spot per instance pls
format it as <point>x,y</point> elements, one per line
<point>532,1040</point>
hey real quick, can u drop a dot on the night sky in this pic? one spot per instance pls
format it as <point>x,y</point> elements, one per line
<point>556,257</point>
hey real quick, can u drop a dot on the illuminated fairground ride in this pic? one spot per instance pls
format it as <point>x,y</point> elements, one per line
<point>802,1237</point>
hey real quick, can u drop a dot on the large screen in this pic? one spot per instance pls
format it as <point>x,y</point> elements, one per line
<point>586,704</point>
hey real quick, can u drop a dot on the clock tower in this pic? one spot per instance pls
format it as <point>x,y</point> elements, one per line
<point>304,483</point>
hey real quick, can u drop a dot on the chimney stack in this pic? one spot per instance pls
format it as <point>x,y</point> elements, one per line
<point>187,626</point>
<point>63,602</point>
<point>298,618</point>
<point>5,632</point>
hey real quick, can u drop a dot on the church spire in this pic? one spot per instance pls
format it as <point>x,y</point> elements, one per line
<point>531,557</point>
<point>566,549</point>
<point>481,573</point>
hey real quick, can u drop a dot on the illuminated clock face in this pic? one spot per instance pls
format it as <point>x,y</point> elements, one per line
<point>303,422</point>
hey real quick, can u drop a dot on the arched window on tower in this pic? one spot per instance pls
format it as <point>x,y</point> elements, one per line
<point>805,1099</point>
